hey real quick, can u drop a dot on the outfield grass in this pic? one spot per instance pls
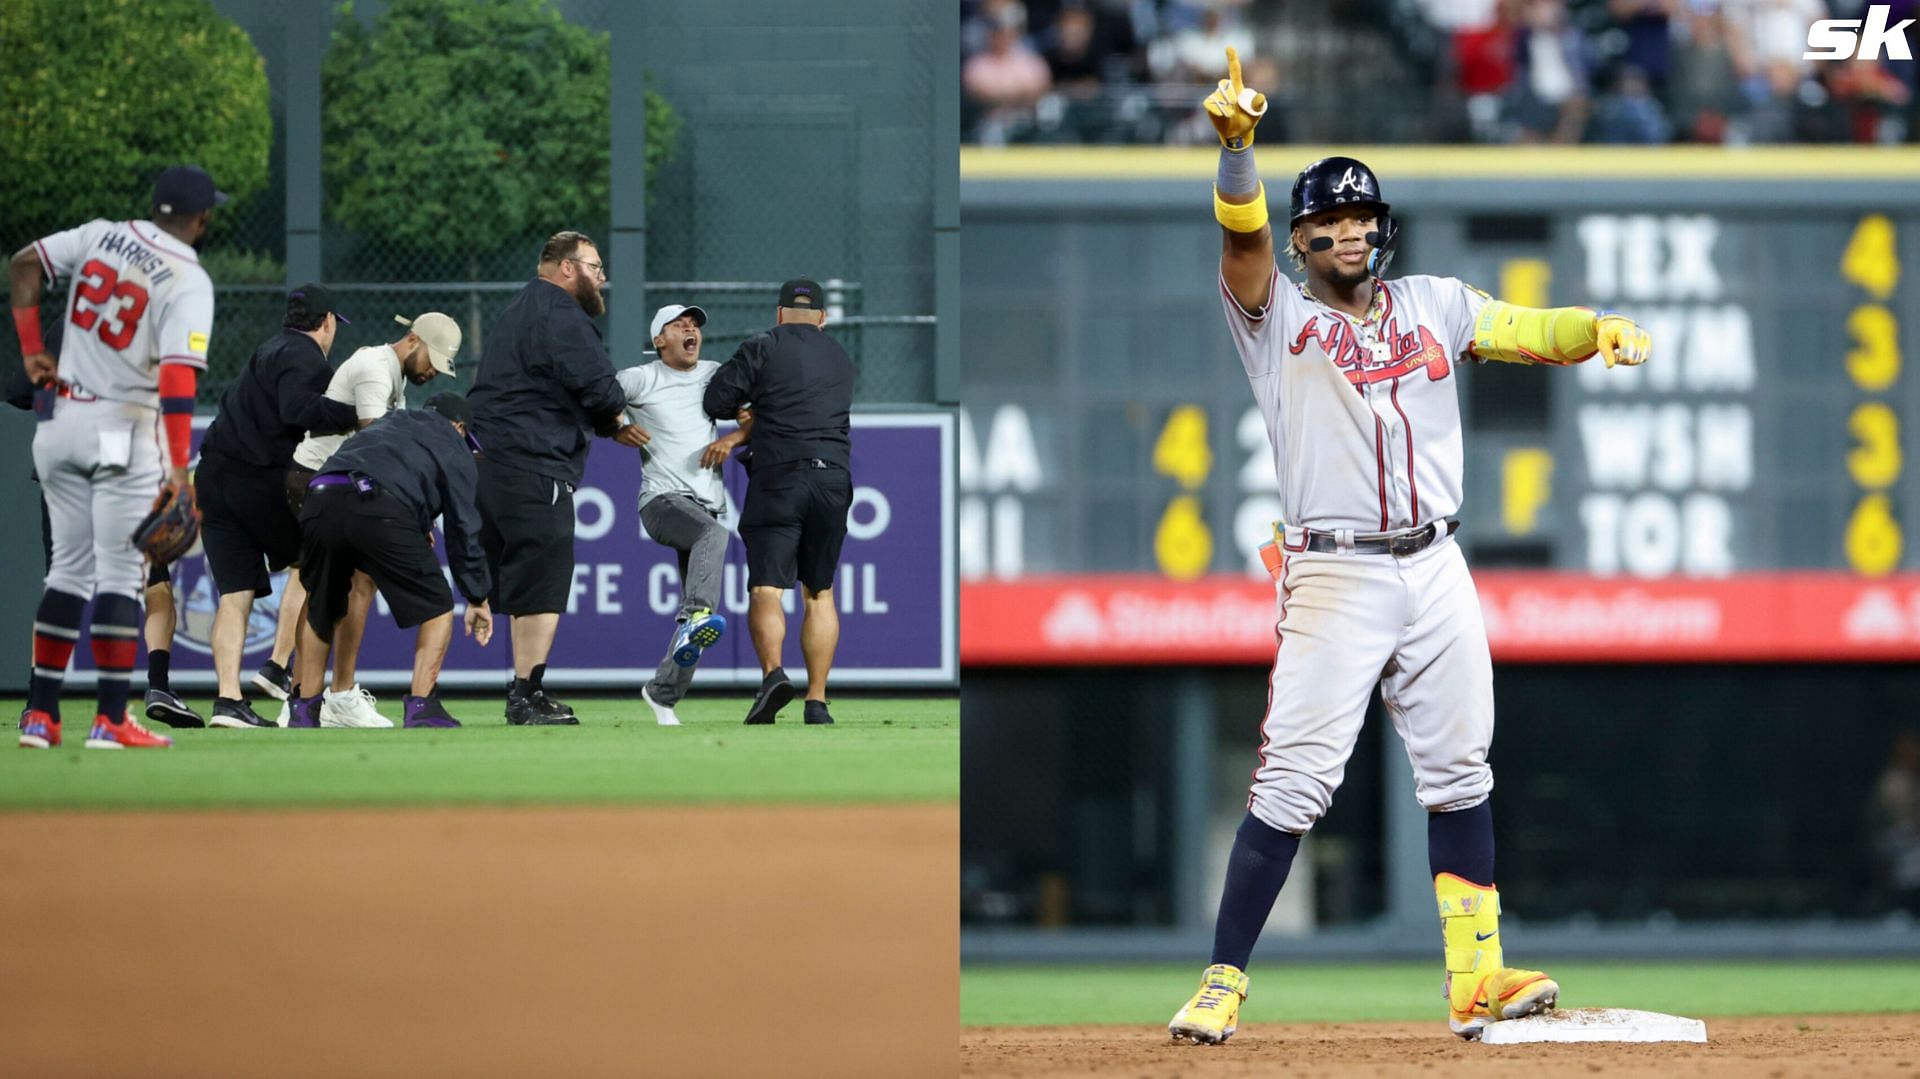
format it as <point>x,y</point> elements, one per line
<point>1148,995</point>
<point>879,750</point>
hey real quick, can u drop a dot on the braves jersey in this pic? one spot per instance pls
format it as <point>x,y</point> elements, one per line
<point>1362,414</point>
<point>139,299</point>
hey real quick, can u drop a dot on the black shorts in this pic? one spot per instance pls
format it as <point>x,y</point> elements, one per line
<point>246,529</point>
<point>344,531</point>
<point>526,531</point>
<point>793,523</point>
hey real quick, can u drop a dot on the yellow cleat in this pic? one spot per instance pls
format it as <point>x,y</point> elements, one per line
<point>1213,1014</point>
<point>1481,988</point>
<point>1507,993</point>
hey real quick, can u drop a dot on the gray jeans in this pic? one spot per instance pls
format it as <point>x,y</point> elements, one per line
<point>701,540</point>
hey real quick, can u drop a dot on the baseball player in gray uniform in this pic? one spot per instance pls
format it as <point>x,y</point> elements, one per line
<point>1354,375</point>
<point>682,501</point>
<point>115,420</point>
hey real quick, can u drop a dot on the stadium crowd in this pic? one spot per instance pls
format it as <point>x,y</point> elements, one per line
<point>1478,71</point>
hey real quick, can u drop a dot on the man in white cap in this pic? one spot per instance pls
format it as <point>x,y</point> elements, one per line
<point>373,380</point>
<point>682,501</point>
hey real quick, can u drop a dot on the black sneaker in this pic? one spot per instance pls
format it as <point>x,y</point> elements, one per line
<point>536,709</point>
<point>817,714</point>
<point>426,712</point>
<point>236,714</point>
<point>164,707</point>
<point>274,680</point>
<point>776,692</point>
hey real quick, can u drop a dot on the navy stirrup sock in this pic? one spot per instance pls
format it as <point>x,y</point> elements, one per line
<point>1461,843</point>
<point>56,629</point>
<point>116,644</point>
<point>1256,870</point>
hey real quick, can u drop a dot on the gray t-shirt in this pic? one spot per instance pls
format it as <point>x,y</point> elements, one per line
<point>667,403</point>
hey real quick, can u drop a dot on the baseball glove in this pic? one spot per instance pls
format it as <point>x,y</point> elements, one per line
<point>170,527</point>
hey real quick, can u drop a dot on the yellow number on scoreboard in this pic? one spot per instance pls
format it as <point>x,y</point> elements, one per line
<point>1183,544</point>
<point>1182,451</point>
<point>1875,364</point>
<point>1871,259</point>
<point>1875,462</point>
<point>1873,537</point>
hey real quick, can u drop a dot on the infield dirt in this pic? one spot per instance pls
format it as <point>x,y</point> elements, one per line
<point>479,942</point>
<point>1776,1047</point>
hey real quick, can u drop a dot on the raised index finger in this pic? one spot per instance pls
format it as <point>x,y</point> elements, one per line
<point>1233,71</point>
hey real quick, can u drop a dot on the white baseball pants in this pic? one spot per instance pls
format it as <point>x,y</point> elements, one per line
<point>99,465</point>
<point>1411,625</point>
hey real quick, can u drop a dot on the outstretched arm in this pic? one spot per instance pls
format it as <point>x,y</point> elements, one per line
<point>1239,198</point>
<point>1557,335</point>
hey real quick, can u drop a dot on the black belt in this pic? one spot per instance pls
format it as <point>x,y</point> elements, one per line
<point>797,462</point>
<point>1400,543</point>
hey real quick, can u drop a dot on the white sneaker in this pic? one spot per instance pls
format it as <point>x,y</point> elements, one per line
<point>350,708</point>
<point>286,713</point>
<point>662,713</point>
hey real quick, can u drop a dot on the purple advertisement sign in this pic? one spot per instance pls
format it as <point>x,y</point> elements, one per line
<point>895,592</point>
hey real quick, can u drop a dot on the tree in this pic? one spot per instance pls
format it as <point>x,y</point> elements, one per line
<point>97,96</point>
<point>459,128</point>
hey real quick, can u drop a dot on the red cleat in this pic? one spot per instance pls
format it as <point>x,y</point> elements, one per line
<point>38,730</point>
<point>126,734</point>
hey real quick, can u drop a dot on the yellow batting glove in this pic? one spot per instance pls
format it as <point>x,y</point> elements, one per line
<point>1234,109</point>
<point>1623,342</point>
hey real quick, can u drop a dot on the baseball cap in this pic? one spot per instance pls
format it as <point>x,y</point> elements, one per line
<point>673,311</point>
<point>803,292</point>
<point>185,189</point>
<point>309,305</point>
<point>455,407</point>
<point>441,335</point>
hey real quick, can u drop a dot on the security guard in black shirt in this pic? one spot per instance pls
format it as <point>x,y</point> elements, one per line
<point>544,387</point>
<point>248,530</point>
<point>370,509</point>
<point>799,385</point>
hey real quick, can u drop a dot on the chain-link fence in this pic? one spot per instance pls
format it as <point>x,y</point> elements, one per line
<point>792,174</point>
<point>789,158</point>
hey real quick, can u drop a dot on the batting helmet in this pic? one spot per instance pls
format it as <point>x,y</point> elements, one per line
<point>1345,181</point>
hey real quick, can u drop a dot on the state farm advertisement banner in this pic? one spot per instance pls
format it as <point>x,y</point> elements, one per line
<point>1532,617</point>
<point>896,591</point>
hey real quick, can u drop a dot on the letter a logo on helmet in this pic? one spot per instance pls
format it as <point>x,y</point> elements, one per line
<point>1349,182</point>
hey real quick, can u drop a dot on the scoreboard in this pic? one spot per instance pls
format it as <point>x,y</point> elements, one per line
<point>1744,495</point>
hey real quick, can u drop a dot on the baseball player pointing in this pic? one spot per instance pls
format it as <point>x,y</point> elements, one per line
<point>1354,375</point>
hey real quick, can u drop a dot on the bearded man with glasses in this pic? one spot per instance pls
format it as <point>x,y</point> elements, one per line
<point>544,388</point>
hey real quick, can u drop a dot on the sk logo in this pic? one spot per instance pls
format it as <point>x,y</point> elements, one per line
<point>1350,182</point>
<point>1841,39</point>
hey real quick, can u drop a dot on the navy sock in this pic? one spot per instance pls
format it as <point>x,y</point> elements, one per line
<point>116,641</point>
<point>159,668</point>
<point>1461,843</point>
<point>56,628</point>
<point>1256,869</point>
